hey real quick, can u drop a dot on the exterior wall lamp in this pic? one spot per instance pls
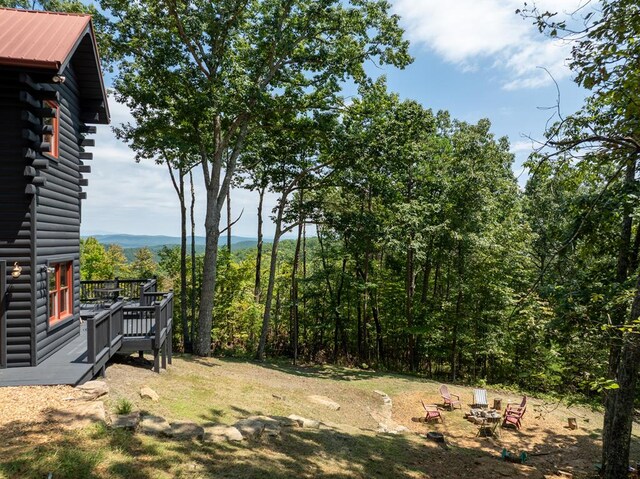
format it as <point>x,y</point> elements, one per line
<point>16,271</point>
<point>47,269</point>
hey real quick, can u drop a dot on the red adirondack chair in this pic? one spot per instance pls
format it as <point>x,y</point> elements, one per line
<point>432,412</point>
<point>513,414</point>
<point>448,398</point>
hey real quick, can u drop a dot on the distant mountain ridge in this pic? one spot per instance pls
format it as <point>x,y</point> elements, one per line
<point>151,241</point>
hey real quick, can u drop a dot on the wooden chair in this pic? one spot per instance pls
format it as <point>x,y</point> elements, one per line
<point>432,412</point>
<point>511,407</point>
<point>513,414</point>
<point>448,398</point>
<point>480,398</point>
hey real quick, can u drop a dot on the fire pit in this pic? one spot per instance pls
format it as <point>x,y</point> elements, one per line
<point>435,436</point>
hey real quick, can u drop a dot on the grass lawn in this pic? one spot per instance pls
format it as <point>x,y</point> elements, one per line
<point>214,391</point>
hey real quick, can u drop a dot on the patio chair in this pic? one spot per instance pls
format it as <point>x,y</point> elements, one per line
<point>516,409</point>
<point>480,398</point>
<point>513,414</point>
<point>448,398</point>
<point>432,412</point>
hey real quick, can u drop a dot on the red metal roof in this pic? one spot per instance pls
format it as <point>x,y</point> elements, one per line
<point>39,39</point>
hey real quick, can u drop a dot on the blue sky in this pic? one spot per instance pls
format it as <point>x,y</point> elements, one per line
<point>475,58</point>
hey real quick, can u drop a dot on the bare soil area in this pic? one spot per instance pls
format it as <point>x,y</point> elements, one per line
<point>347,445</point>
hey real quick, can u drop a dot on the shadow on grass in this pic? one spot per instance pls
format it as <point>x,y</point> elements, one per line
<point>337,373</point>
<point>99,452</point>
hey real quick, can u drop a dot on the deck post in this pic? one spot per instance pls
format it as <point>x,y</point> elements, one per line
<point>110,331</point>
<point>163,348</point>
<point>157,337</point>
<point>156,360</point>
<point>91,340</point>
<point>170,344</point>
<point>3,314</point>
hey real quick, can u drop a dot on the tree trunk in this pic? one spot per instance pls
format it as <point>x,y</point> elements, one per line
<point>205,318</point>
<point>193,263</point>
<point>304,277</point>
<point>294,293</point>
<point>410,288</point>
<point>616,451</point>
<point>619,315</point>
<point>256,288</point>
<point>229,223</point>
<point>186,341</point>
<point>266,317</point>
<point>217,187</point>
<point>179,188</point>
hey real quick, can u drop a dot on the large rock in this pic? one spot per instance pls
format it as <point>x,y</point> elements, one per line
<point>324,401</point>
<point>304,422</point>
<point>186,430</point>
<point>78,415</point>
<point>148,393</point>
<point>285,421</point>
<point>155,426</point>
<point>250,428</point>
<point>92,390</point>
<point>221,433</point>
<point>126,421</point>
<point>271,425</point>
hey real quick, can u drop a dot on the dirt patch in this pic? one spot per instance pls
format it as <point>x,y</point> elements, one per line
<point>544,435</point>
<point>25,415</point>
<point>26,406</point>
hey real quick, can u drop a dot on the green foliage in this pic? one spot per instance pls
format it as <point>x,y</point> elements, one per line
<point>124,406</point>
<point>143,265</point>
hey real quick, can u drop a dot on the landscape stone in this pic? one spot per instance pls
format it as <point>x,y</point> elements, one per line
<point>92,390</point>
<point>148,393</point>
<point>250,428</point>
<point>186,430</point>
<point>387,425</point>
<point>155,426</point>
<point>285,421</point>
<point>78,415</point>
<point>221,432</point>
<point>126,421</point>
<point>304,422</point>
<point>324,401</point>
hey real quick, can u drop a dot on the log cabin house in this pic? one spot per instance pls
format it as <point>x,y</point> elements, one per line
<point>53,329</point>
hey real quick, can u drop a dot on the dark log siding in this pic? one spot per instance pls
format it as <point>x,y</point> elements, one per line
<point>58,214</point>
<point>16,243</point>
<point>37,230</point>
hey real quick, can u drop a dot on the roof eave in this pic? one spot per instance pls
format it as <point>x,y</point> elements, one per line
<point>26,63</point>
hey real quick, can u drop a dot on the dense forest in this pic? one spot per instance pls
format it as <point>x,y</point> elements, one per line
<point>416,248</point>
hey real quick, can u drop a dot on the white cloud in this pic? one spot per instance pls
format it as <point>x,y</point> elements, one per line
<point>471,33</point>
<point>138,198</point>
<point>524,146</point>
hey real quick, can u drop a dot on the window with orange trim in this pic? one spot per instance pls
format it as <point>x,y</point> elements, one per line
<point>52,137</point>
<point>60,291</point>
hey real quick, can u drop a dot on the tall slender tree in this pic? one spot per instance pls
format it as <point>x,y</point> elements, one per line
<point>217,69</point>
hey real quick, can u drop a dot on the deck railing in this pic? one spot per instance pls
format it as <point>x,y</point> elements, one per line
<point>104,333</point>
<point>151,320</point>
<point>130,289</point>
<point>139,321</point>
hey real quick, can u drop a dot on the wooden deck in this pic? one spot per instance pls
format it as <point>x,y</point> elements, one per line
<point>122,327</point>
<point>69,365</point>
